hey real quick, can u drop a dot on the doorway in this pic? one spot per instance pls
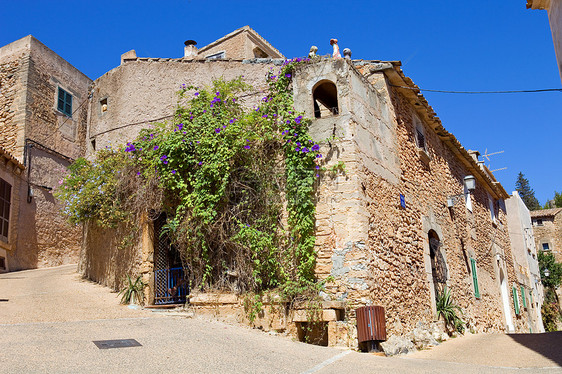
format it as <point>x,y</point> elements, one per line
<point>171,278</point>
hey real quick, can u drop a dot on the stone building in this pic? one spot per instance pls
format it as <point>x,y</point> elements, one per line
<point>12,189</point>
<point>42,125</point>
<point>547,227</point>
<point>525,260</point>
<point>412,212</point>
<point>554,10</point>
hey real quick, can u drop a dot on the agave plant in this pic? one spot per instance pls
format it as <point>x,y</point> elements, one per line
<point>450,311</point>
<point>133,291</point>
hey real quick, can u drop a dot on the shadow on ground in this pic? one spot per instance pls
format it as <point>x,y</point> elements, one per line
<point>547,344</point>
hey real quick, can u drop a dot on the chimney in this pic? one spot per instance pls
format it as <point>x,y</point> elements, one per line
<point>190,50</point>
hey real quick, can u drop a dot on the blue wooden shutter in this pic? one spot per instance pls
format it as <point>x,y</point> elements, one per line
<point>475,278</point>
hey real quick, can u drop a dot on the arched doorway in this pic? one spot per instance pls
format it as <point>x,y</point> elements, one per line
<point>438,265</point>
<point>505,302</point>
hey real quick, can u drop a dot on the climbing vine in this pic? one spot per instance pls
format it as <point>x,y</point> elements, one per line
<point>236,185</point>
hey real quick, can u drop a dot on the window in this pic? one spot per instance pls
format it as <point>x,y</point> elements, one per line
<point>217,56</point>
<point>5,198</point>
<point>492,206</point>
<point>103,105</point>
<point>468,198</point>
<point>2,263</point>
<point>524,301</point>
<point>545,247</point>
<point>539,222</point>
<point>65,102</point>
<point>515,300</point>
<point>475,278</point>
<point>421,138</point>
<point>325,99</point>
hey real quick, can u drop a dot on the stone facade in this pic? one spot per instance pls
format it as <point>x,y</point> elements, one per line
<point>525,259</point>
<point>12,173</point>
<point>45,140</point>
<point>377,250</point>
<point>547,227</point>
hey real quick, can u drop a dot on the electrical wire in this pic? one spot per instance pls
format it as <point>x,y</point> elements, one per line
<point>480,92</point>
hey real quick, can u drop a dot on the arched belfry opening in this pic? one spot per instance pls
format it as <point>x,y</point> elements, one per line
<point>438,264</point>
<point>325,98</point>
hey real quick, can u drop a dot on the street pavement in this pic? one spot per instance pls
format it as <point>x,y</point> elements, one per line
<point>51,318</point>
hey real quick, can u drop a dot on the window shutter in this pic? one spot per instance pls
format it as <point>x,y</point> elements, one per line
<point>531,298</point>
<point>524,301</point>
<point>515,300</point>
<point>474,277</point>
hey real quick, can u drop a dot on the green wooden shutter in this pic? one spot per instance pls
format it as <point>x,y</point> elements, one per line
<point>531,298</point>
<point>475,278</point>
<point>523,297</point>
<point>515,300</point>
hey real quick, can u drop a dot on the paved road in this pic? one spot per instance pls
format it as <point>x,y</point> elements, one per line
<point>51,319</point>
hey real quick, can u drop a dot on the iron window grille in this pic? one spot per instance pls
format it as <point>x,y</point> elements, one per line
<point>5,198</point>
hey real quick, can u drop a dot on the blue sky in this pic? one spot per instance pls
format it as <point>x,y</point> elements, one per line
<point>468,46</point>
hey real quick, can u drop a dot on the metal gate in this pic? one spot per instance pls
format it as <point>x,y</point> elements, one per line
<point>171,278</point>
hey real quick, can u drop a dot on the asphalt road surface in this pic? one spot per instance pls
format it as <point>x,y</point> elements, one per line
<point>50,318</point>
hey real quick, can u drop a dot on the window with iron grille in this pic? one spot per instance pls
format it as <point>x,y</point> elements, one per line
<point>421,138</point>
<point>5,198</point>
<point>65,102</point>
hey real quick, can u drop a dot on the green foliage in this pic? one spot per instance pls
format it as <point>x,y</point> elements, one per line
<point>223,175</point>
<point>558,199</point>
<point>548,261</point>
<point>450,311</point>
<point>90,191</point>
<point>133,291</point>
<point>526,193</point>
<point>551,314</point>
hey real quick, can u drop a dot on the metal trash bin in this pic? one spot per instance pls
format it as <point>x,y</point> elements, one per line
<point>371,326</point>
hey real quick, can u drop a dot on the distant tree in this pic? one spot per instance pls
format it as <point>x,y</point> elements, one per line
<point>558,199</point>
<point>526,192</point>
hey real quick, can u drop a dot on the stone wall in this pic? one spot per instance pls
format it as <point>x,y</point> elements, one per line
<point>377,251</point>
<point>549,232</point>
<point>13,173</point>
<point>44,139</point>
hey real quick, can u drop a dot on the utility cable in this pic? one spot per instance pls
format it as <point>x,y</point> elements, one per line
<point>480,92</point>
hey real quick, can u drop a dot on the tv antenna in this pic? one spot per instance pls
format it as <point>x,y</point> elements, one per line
<point>487,156</point>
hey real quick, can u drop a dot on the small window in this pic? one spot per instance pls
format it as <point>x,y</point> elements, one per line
<point>5,199</point>
<point>492,206</point>
<point>545,247</point>
<point>421,138</point>
<point>468,198</point>
<point>217,56</point>
<point>515,300</point>
<point>538,222</point>
<point>103,105</point>
<point>2,263</point>
<point>475,278</point>
<point>325,99</point>
<point>65,102</point>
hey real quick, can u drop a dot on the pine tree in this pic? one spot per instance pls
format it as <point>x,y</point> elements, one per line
<point>526,192</point>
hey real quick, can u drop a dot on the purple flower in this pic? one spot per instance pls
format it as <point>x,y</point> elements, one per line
<point>315,148</point>
<point>288,75</point>
<point>298,143</point>
<point>317,167</point>
<point>218,93</point>
<point>288,121</point>
<point>247,147</point>
<point>138,172</point>
<point>173,172</point>
<point>298,120</point>
<point>165,162</point>
<point>297,149</point>
<point>264,116</point>
<point>200,163</point>
<point>217,130</point>
<point>318,156</point>
<point>191,117</point>
<point>155,147</point>
<point>180,126</point>
<point>163,157</point>
<point>305,150</point>
<point>196,93</point>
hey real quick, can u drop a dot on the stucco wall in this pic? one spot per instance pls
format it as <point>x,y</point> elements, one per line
<point>142,91</point>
